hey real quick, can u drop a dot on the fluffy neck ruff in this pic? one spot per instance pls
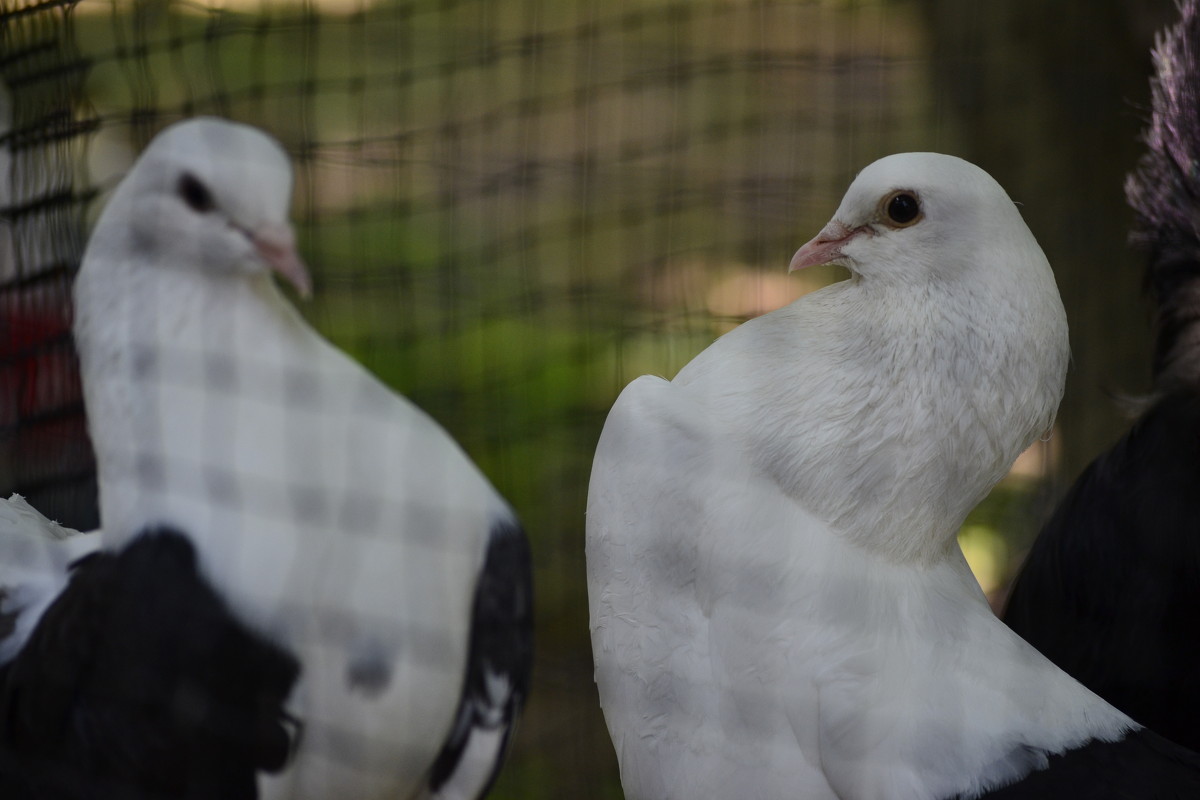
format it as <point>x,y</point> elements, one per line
<point>914,401</point>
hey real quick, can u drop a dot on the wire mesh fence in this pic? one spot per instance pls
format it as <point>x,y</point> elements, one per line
<point>510,208</point>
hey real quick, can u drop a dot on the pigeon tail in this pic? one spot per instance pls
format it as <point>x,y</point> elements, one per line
<point>1164,192</point>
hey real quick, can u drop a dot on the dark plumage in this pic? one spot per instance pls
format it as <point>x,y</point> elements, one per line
<point>138,683</point>
<point>1164,192</point>
<point>1141,766</point>
<point>500,657</point>
<point>1111,589</point>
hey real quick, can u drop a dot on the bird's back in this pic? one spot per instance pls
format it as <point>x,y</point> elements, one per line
<point>746,648</point>
<point>656,578</point>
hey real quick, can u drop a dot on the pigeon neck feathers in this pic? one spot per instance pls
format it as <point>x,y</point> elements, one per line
<point>175,299</point>
<point>890,404</point>
<point>159,345</point>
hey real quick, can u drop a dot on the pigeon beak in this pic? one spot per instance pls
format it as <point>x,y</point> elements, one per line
<point>826,248</point>
<point>276,245</point>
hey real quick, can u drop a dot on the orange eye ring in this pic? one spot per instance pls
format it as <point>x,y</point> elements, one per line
<point>901,209</point>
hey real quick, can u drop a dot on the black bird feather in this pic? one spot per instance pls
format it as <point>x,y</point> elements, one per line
<point>1111,588</point>
<point>138,683</point>
<point>1164,192</point>
<point>499,656</point>
<point>1141,766</point>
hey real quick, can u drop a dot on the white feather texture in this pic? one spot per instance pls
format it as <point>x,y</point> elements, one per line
<point>35,556</point>
<point>779,608</point>
<point>333,515</point>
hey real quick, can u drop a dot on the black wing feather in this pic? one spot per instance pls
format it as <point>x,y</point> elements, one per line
<point>1111,589</point>
<point>501,645</point>
<point>138,683</point>
<point>1142,766</point>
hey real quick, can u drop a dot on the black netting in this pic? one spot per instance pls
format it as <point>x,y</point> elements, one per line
<point>43,194</point>
<point>511,209</point>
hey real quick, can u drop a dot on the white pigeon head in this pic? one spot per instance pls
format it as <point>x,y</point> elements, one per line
<point>914,216</point>
<point>952,312</point>
<point>212,193</point>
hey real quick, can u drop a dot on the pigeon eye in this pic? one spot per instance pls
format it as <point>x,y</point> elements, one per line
<point>901,209</point>
<point>195,193</point>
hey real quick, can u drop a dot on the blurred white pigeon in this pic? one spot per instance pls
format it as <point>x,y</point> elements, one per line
<point>779,608</point>
<point>333,517</point>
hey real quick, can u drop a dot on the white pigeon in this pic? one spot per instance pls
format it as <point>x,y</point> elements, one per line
<point>35,558</point>
<point>779,608</point>
<point>334,517</point>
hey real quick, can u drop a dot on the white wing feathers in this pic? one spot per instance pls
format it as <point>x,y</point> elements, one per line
<point>670,599</point>
<point>35,556</point>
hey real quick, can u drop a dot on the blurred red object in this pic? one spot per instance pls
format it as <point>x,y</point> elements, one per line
<point>45,452</point>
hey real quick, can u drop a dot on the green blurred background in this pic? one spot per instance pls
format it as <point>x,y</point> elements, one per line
<point>513,208</point>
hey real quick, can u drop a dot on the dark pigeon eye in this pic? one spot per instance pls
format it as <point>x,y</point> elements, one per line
<point>195,193</point>
<point>902,208</point>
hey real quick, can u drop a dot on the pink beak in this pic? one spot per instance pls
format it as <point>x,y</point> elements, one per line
<point>277,246</point>
<point>825,248</point>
